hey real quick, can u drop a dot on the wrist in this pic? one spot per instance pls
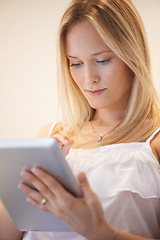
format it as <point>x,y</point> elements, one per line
<point>110,233</point>
<point>104,232</point>
<point>115,234</point>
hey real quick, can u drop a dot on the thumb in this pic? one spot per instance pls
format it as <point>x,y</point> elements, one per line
<point>82,179</point>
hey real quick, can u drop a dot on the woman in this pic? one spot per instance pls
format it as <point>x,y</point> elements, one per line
<point>111,122</point>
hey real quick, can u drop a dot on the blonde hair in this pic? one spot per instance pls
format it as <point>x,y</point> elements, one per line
<point>120,26</point>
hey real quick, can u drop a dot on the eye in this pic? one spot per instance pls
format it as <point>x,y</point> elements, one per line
<point>104,61</point>
<point>75,64</point>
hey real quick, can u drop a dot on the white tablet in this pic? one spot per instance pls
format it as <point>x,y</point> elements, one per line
<point>16,155</point>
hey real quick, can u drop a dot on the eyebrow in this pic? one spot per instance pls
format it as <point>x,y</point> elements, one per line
<point>94,54</point>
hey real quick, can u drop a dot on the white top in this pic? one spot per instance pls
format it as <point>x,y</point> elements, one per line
<point>126,177</point>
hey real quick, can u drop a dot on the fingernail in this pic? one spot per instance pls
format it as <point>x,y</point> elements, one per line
<point>67,141</point>
<point>35,170</point>
<point>21,186</point>
<point>82,177</point>
<point>28,199</point>
<point>24,173</point>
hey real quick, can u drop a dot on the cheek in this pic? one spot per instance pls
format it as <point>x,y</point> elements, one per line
<point>128,77</point>
<point>121,77</point>
<point>77,77</point>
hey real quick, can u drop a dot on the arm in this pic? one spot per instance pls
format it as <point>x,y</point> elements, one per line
<point>85,215</point>
<point>7,229</point>
<point>155,145</point>
<point>44,131</point>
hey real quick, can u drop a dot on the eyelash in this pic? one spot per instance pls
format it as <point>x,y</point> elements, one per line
<point>75,64</point>
<point>103,62</point>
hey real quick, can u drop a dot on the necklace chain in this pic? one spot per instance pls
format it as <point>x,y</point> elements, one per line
<point>100,137</point>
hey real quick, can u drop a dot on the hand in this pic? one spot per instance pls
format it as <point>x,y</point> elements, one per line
<point>64,142</point>
<point>84,215</point>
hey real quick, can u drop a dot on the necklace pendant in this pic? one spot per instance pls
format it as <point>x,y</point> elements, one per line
<point>99,138</point>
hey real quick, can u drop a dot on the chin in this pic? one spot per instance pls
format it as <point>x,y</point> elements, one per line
<point>97,106</point>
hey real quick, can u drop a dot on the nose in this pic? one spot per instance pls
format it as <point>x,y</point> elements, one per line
<point>90,75</point>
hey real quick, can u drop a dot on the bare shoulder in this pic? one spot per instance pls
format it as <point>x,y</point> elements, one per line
<point>155,145</point>
<point>45,130</point>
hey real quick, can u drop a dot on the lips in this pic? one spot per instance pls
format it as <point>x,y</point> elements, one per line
<point>95,92</point>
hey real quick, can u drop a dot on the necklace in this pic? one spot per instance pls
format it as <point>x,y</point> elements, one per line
<point>99,137</point>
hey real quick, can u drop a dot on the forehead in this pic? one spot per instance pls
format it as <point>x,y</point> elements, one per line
<point>83,38</point>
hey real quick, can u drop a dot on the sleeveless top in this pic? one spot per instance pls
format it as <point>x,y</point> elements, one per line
<point>126,178</point>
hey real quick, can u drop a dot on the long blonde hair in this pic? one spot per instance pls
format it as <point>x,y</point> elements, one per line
<point>120,26</point>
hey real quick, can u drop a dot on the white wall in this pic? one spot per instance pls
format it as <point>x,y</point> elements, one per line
<point>28,94</point>
<point>150,13</point>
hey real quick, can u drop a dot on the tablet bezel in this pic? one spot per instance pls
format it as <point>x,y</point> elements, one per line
<point>16,155</point>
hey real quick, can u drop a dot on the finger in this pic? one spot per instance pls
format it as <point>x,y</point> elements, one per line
<point>63,200</point>
<point>64,142</point>
<point>37,183</point>
<point>66,148</point>
<point>89,195</point>
<point>52,184</point>
<point>86,189</point>
<point>36,196</point>
<point>45,207</point>
<point>82,179</point>
<point>39,205</point>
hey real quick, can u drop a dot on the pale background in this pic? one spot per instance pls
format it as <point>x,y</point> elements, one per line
<point>28,29</point>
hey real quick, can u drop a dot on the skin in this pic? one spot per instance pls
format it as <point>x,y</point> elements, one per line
<point>104,79</point>
<point>106,85</point>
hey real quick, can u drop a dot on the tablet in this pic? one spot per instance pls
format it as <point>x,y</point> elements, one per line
<point>16,155</point>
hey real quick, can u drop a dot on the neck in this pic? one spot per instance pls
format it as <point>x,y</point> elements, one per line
<point>114,112</point>
<point>108,117</point>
